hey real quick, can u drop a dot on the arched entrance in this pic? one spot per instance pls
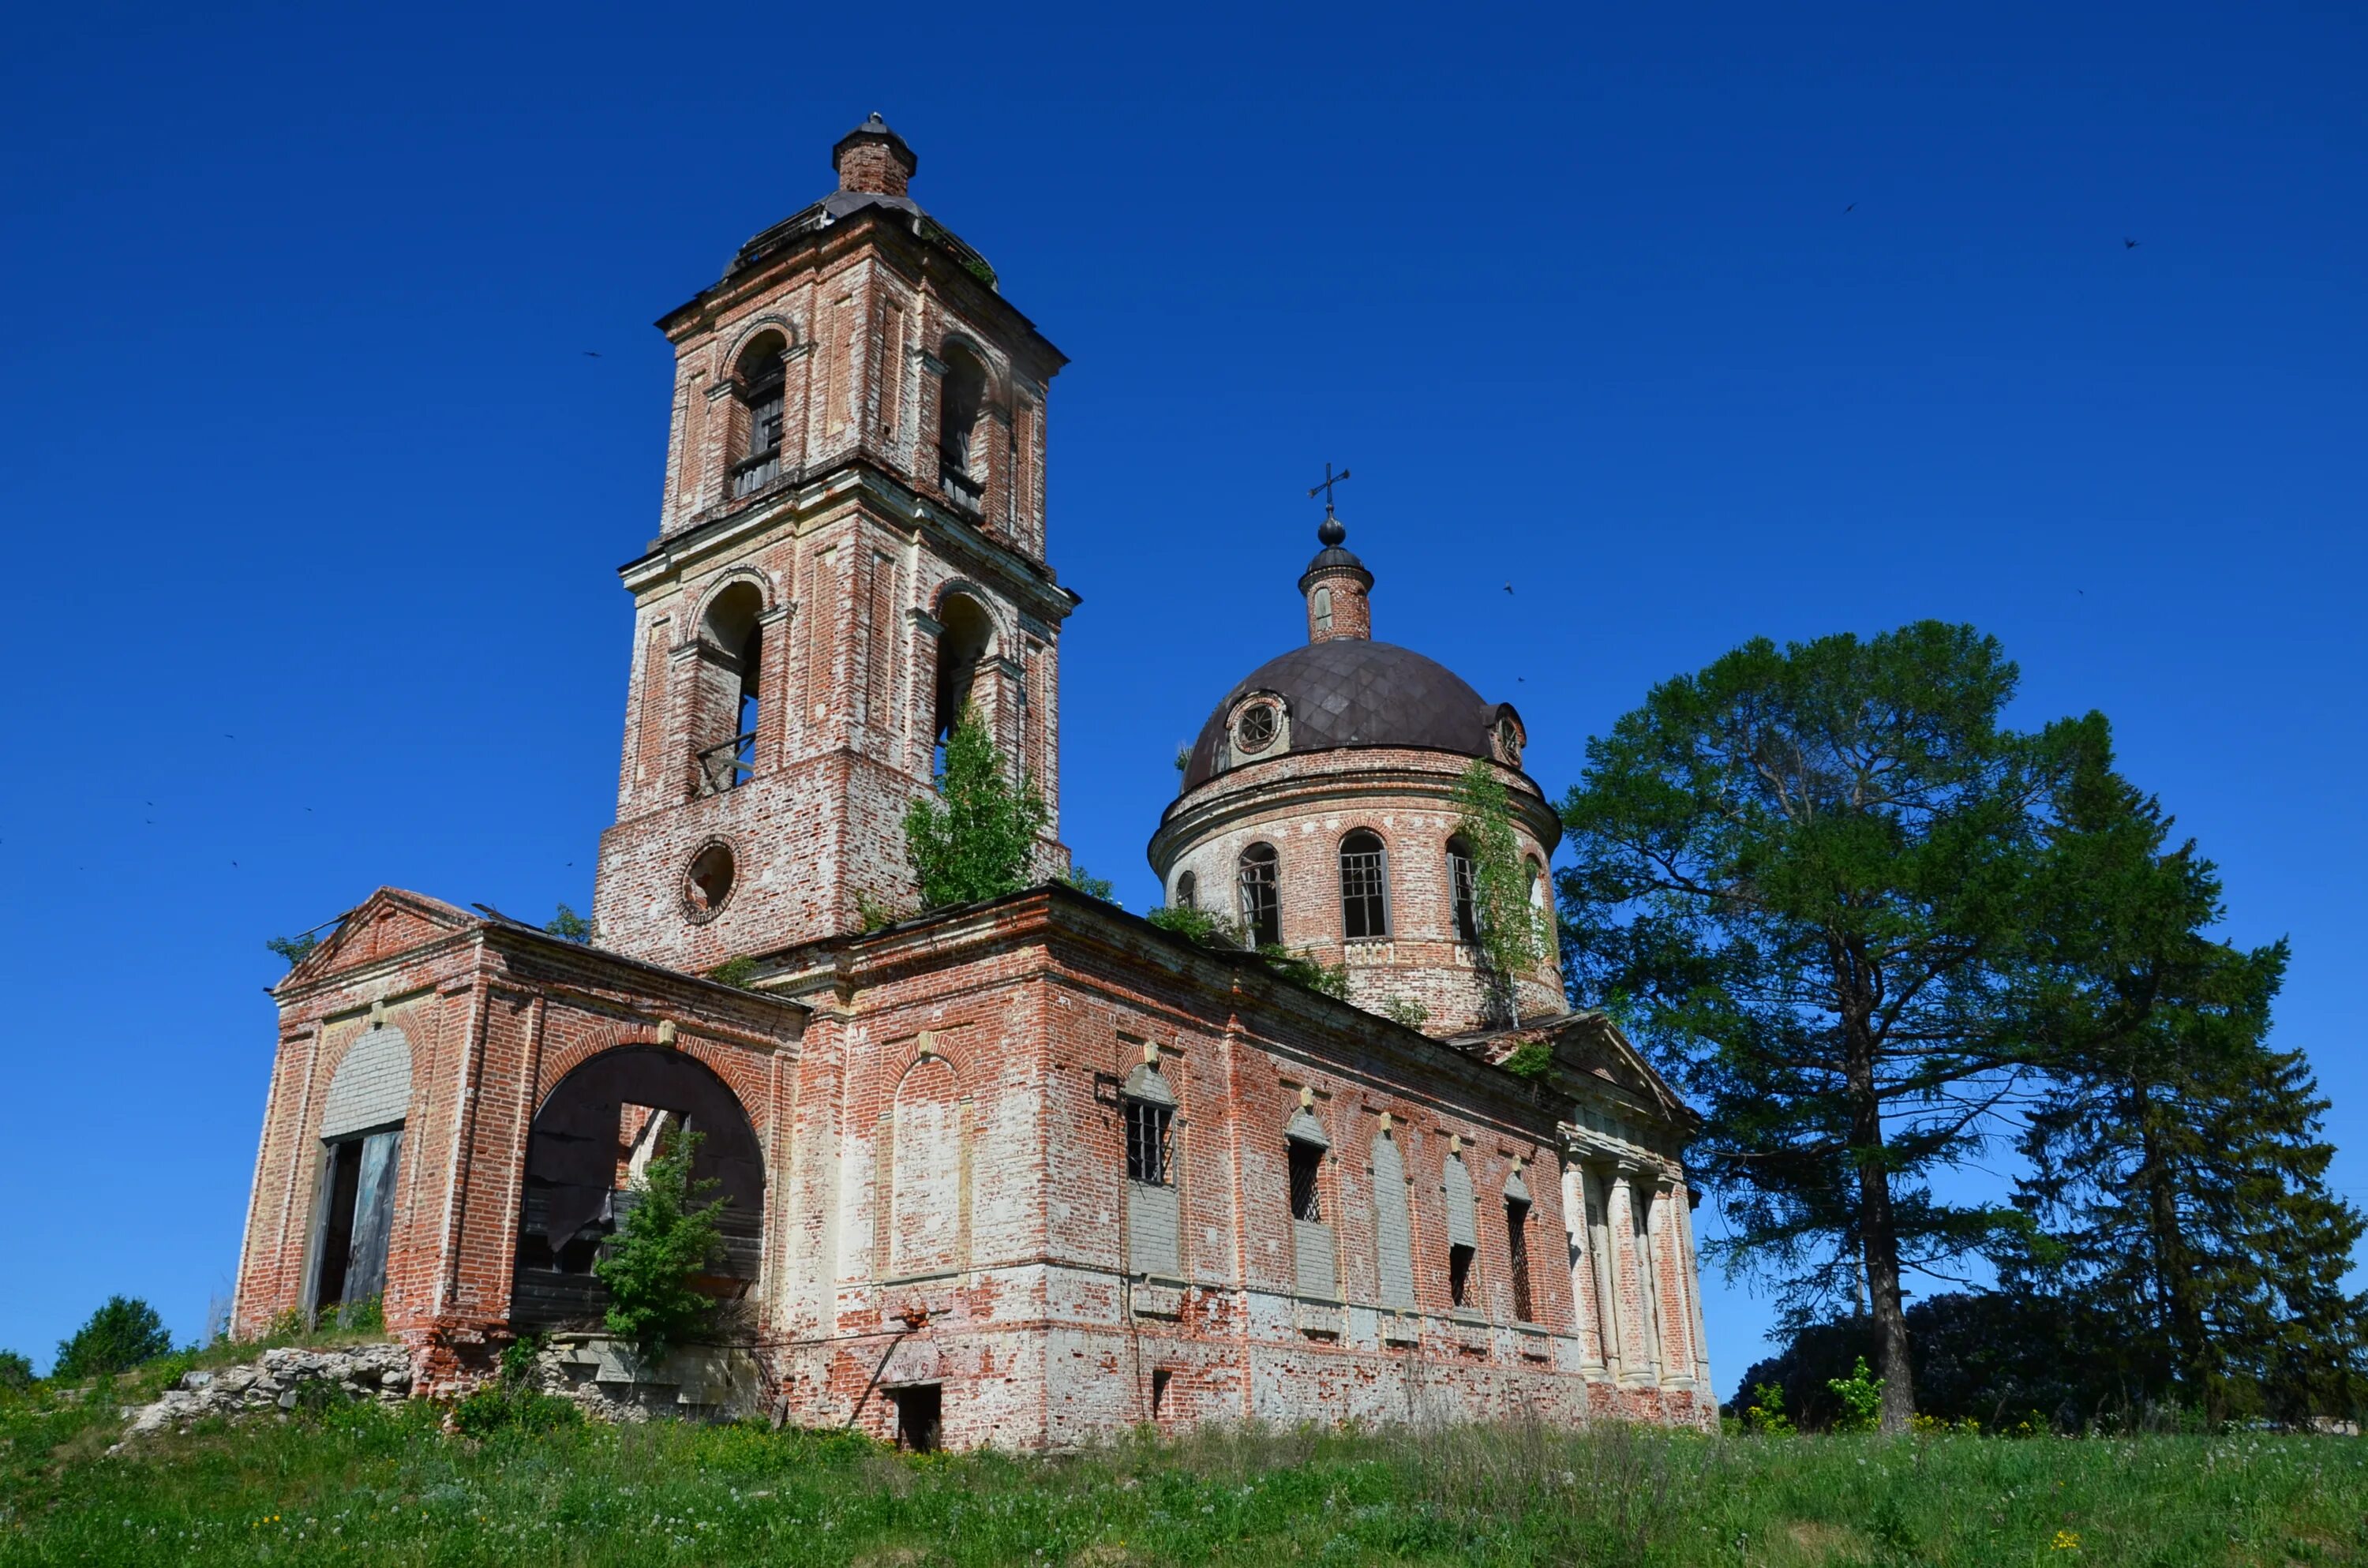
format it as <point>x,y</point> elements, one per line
<point>599,1126</point>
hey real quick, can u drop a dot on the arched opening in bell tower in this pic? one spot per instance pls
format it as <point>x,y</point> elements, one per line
<point>731,671</point>
<point>758,378</point>
<point>965,634</point>
<point>961,456</point>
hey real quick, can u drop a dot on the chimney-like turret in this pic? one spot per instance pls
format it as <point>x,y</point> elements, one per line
<point>873,158</point>
<point>1336,585</point>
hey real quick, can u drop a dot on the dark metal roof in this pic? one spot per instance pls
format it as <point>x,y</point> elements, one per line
<point>1351,691</point>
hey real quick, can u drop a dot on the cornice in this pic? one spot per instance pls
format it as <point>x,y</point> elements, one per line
<point>1271,784</point>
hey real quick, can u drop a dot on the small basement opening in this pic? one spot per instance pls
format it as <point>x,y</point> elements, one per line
<point>920,1411</point>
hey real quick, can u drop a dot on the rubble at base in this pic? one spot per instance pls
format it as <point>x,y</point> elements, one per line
<point>276,1381</point>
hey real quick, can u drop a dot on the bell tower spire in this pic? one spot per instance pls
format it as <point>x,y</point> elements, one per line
<point>851,550</point>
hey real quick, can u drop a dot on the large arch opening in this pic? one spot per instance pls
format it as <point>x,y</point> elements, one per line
<point>592,1138</point>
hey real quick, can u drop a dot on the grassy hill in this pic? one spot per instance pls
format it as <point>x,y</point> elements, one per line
<point>363,1484</point>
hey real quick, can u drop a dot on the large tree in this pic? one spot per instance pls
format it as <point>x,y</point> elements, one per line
<point>1803,878</point>
<point>2177,1174</point>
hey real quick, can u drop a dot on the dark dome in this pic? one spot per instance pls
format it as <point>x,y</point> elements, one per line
<point>1351,691</point>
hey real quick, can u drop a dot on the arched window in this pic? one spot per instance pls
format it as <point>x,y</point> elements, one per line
<point>964,635</point>
<point>1260,899</point>
<point>1364,886</point>
<point>757,378</point>
<point>961,456</point>
<point>730,675</point>
<point>1188,891</point>
<point>1323,609</point>
<point>1462,882</point>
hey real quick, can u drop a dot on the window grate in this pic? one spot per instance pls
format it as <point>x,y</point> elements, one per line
<point>1516,1235</point>
<point>1147,1128</point>
<point>1364,888</point>
<point>1262,905</point>
<point>1464,878</point>
<point>1307,1184</point>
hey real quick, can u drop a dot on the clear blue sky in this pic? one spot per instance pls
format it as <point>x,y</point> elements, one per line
<point>313,497</point>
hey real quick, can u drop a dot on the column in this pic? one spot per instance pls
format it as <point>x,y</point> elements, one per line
<point>1633,1274</point>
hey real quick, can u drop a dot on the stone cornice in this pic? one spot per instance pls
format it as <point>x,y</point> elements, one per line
<point>1426,779</point>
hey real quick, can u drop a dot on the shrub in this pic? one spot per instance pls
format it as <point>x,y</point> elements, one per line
<point>365,1316</point>
<point>295,950</point>
<point>1406,1010</point>
<point>119,1337</point>
<point>570,926</point>
<point>739,971</point>
<point>976,837</point>
<point>1861,1398</point>
<point>1092,886</point>
<point>668,1237</point>
<point>1531,1059</point>
<point>16,1371</point>
<point>511,1402</point>
<point>1766,1414</point>
<point>1200,925</point>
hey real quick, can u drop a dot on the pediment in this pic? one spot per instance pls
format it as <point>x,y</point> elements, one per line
<point>390,921</point>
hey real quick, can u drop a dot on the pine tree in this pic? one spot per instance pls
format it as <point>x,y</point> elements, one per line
<point>1802,879</point>
<point>2177,1174</point>
<point>977,838</point>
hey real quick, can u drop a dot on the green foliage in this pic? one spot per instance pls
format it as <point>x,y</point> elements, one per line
<point>509,1404</point>
<point>1531,1059</point>
<point>1406,1010</point>
<point>295,950</point>
<point>1183,760</point>
<point>669,1236</point>
<point>1303,969</point>
<point>870,916</point>
<point>384,1487</point>
<point>1814,878</point>
<point>1765,1415</point>
<point>2178,1171</point>
<point>977,837</point>
<point>739,971</point>
<point>119,1337</point>
<point>365,1316</point>
<point>1086,882</point>
<point>1210,930</point>
<point>570,926</point>
<point>1511,941</point>
<point>1859,1398</point>
<point>16,1371</point>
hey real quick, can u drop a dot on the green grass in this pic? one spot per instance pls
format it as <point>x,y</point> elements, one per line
<point>368,1485</point>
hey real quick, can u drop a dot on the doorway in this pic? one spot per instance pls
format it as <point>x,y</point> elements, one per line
<point>920,1411</point>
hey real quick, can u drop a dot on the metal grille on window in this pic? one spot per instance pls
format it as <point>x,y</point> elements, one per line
<point>1255,730</point>
<point>1364,886</point>
<point>1516,1235</point>
<point>1463,880</point>
<point>1306,1188</point>
<point>1261,907</point>
<point>1188,891</point>
<point>1148,1126</point>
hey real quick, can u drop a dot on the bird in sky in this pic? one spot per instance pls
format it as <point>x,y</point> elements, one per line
<point>1851,208</point>
<point>1508,588</point>
<point>2128,244</point>
<point>588,354</point>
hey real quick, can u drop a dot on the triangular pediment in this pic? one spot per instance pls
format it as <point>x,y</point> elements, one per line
<point>390,921</point>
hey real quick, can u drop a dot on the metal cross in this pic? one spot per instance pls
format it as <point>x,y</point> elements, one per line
<point>1324,489</point>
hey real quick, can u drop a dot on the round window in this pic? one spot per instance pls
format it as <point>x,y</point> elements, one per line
<point>1254,730</point>
<point>708,883</point>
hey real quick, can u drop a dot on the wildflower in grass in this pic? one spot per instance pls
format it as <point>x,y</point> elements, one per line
<point>2066,1541</point>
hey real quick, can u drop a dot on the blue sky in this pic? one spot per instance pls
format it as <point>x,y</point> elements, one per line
<point>1692,323</point>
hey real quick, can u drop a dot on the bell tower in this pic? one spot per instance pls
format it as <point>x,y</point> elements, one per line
<point>851,547</point>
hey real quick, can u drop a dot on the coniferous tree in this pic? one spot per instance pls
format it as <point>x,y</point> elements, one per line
<point>1802,879</point>
<point>977,838</point>
<point>2177,1175</point>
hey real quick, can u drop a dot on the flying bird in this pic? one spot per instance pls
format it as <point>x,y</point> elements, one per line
<point>2128,244</point>
<point>1851,208</point>
<point>588,354</point>
<point>1508,588</point>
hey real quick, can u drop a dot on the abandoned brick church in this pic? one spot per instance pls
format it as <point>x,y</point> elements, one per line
<point>1022,1172</point>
